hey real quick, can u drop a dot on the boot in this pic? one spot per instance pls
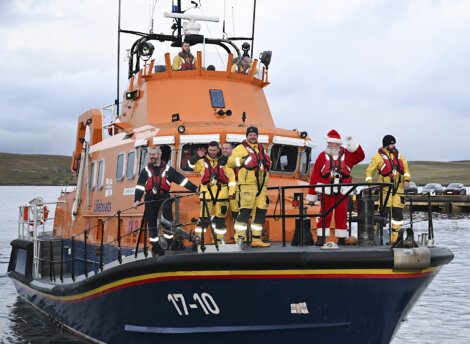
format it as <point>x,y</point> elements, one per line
<point>320,241</point>
<point>259,243</point>
<point>341,241</point>
<point>231,240</point>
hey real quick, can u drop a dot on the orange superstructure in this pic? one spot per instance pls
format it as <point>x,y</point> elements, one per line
<point>179,111</point>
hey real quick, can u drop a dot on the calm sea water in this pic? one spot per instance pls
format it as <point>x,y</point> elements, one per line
<point>442,315</point>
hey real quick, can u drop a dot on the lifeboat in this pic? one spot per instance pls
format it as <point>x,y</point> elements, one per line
<point>93,272</point>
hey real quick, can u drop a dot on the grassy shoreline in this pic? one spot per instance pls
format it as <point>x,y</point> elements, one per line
<point>50,170</point>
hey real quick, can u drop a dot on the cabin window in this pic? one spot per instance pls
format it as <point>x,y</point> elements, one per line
<point>284,158</point>
<point>143,158</point>
<point>120,167</point>
<point>305,162</point>
<point>91,178</point>
<point>130,170</point>
<point>187,151</point>
<point>166,154</point>
<point>100,182</point>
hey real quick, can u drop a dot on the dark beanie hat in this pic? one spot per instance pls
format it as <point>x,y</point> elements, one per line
<point>251,130</point>
<point>388,140</point>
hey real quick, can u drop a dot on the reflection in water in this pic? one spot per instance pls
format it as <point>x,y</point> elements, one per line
<point>442,314</point>
<point>28,325</point>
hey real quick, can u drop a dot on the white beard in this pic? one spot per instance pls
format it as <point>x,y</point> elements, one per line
<point>332,151</point>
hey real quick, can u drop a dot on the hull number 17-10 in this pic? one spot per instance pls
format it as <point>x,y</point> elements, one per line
<point>203,301</point>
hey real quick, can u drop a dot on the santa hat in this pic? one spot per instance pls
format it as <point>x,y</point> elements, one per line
<point>333,137</point>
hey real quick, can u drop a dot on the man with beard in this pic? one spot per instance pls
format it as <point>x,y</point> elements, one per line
<point>391,167</point>
<point>155,181</point>
<point>217,186</point>
<point>333,166</point>
<point>243,65</point>
<point>253,163</point>
<point>184,60</point>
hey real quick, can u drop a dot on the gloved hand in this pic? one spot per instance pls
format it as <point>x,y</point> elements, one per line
<point>311,199</point>
<point>353,145</point>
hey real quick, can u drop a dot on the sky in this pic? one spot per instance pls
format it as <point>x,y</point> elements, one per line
<point>363,67</point>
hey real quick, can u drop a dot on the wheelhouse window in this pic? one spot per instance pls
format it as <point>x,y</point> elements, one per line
<point>91,178</point>
<point>100,181</point>
<point>120,167</point>
<point>187,151</point>
<point>284,158</point>
<point>143,158</point>
<point>305,162</point>
<point>130,169</point>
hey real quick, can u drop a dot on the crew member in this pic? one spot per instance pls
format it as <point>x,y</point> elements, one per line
<point>333,166</point>
<point>243,65</point>
<point>391,167</point>
<point>218,185</point>
<point>155,181</point>
<point>184,60</point>
<point>254,164</point>
<point>234,201</point>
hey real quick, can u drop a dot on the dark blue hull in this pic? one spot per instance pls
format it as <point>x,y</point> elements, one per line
<point>150,302</point>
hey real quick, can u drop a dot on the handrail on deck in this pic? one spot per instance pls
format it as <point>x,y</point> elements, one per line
<point>173,227</point>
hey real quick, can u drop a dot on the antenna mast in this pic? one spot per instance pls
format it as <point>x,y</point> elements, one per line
<point>253,29</point>
<point>116,102</point>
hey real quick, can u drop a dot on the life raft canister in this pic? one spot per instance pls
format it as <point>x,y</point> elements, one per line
<point>391,166</point>
<point>214,175</point>
<point>157,183</point>
<point>255,159</point>
<point>333,167</point>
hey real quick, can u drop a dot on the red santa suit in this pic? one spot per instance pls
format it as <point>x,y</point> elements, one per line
<point>332,170</point>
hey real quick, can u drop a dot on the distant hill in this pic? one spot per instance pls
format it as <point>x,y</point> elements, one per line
<point>423,172</point>
<point>19,169</point>
<point>26,169</point>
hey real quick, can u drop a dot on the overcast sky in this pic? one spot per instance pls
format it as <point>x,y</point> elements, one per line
<point>366,68</point>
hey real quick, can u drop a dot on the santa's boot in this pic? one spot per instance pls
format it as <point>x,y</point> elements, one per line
<point>341,241</point>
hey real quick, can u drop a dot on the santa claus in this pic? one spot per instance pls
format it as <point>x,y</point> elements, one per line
<point>333,166</point>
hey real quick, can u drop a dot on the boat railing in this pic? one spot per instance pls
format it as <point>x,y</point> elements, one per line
<point>56,260</point>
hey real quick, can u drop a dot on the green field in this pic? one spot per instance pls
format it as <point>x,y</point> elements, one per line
<point>423,172</point>
<point>19,169</point>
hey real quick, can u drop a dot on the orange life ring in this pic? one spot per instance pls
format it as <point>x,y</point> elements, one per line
<point>43,214</point>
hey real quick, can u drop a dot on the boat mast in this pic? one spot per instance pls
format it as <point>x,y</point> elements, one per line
<point>116,102</point>
<point>253,28</point>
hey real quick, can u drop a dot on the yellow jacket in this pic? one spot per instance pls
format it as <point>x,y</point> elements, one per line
<point>178,61</point>
<point>226,190</point>
<point>234,69</point>
<point>398,179</point>
<point>246,177</point>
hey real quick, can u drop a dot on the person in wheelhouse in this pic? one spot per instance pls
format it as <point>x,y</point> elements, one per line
<point>155,181</point>
<point>333,166</point>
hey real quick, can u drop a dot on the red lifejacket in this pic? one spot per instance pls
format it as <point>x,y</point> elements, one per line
<point>256,160</point>
<point>391,166</point>
<point>333,167</point>
<point>214,175</point>
<point>157,183</point>
<point>188,61</point>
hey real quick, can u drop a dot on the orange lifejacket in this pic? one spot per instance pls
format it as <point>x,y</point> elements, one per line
<point>188,61</point>
<point>391,166</point>
<point>157,183</point>
<point>256,160</point>
<point>333,167</point>
<point>214,175</point>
